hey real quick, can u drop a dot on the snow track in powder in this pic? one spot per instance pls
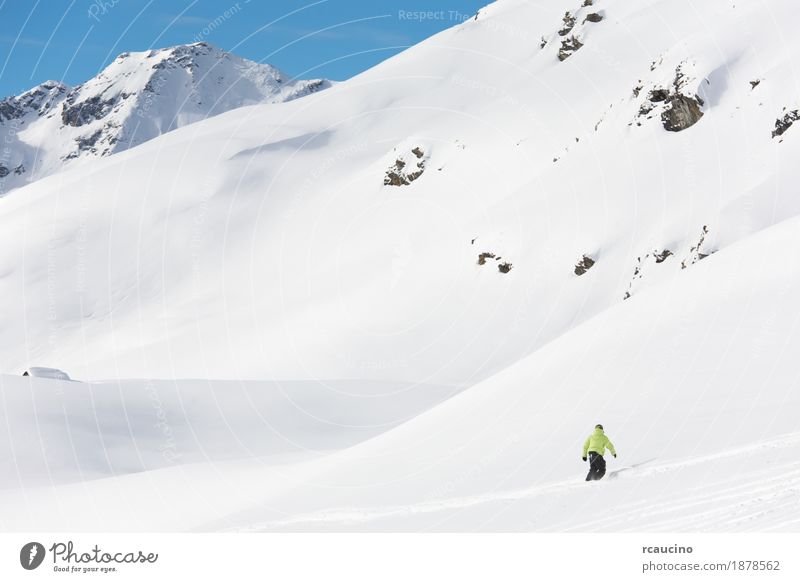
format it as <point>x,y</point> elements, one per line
<point>718,504</point>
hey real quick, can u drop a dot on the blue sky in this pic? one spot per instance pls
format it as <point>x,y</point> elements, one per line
<point>72,40</point>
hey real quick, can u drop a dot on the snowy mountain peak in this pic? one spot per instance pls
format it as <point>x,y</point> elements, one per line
<point>40,99</point>
<point>137,97</point>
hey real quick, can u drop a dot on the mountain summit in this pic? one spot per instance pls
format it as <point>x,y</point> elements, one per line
<point>136,98</point>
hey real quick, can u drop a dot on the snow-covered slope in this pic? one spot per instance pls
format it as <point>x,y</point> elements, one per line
<point>699,394</point>
<point>266,241</point>
<point>136,98</point>
<point>564,218</point>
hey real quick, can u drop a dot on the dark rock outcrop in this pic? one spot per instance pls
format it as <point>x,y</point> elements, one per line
<point>399,174</point>
<point>505,267</point>
<point>785,122</point>
<point>695,253</point>
<point>569,24</point>
<point>637,274</point>
<point>568,47</point>
<point>10,110</point>
<point>583,265</point>
<point>683,112</point>
<point>394,176</point>
<point>679,108</point>
<point>85,143</point>
<point>39,99</point>
<point>86,111</point>
<point>5,171</point>
<point>483,256</point>
<point>658,95</point>
<point>662,256</point>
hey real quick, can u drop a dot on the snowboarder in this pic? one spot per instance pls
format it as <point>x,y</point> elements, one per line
<point>595,446</point>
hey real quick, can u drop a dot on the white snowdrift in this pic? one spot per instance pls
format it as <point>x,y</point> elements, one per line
<point>52,373</point>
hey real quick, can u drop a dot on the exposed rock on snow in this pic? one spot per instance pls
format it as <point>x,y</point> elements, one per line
<point>568,47</point>
<point>568,25</point>
<point>658,95</point>
<point>656,63</point>
<point>679,106</point>
<point>684,105</point>
<point>696,253</point>
<point>40,99</point>
<point>88,143</point>
<point>583,265</point>
<point>483,256</point>
<point>785,122</point>
<point>662,255</point>
<point>571,31</point>
<point>643,264</point>
<point>85,112</point>
<point>4,171</point>
<point>637,274</point>
<point>683,112</point>
<point>407,167</point>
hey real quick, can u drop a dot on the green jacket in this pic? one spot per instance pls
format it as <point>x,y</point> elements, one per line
<point>598,442</point>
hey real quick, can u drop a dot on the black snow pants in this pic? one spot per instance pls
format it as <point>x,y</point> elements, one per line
<point>597,467</point>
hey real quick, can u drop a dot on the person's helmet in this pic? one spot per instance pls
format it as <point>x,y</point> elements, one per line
<point>600,426</point>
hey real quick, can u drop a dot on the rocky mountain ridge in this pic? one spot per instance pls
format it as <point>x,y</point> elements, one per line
<point>136,98</point>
